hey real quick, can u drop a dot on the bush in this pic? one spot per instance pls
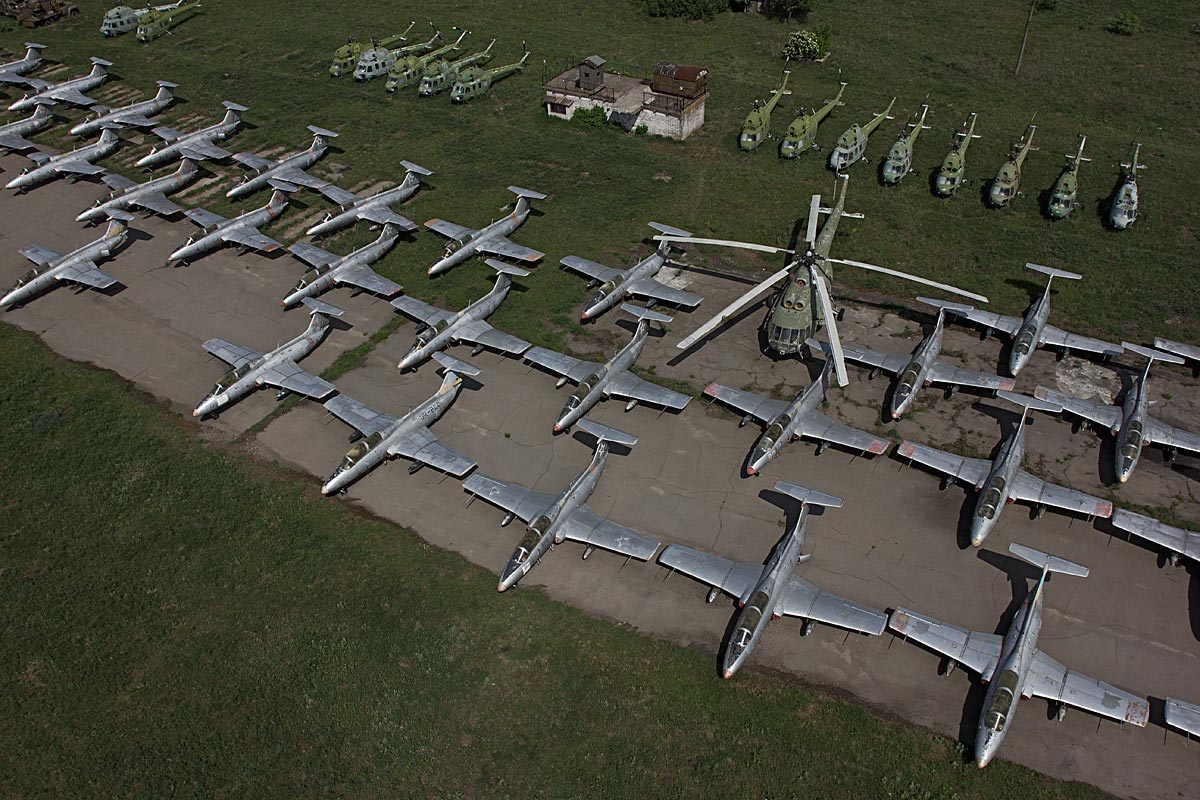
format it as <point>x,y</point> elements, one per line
<point>787,9</point>
<point>692,9</point>
<point>593,117</point>
<point>808,45</point>
<point>1125,23</point>
<point>1047,5</point>
<point>641,130</point>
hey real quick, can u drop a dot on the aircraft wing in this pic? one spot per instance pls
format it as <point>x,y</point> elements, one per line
<point>763,408</point>
<point>202,150</point>
<point>339,195</point>
<point>1009,325</point>
<point>450,230</point>
<point>893,363</point>
<point>77,166</point>
<point>802,599</point>
<point>382,215</point>
<point>134,120</point>
<point>203,217</point>
<point>592,269</point>
<point>978,652</point>
<point>1103,413</point>
<point>72,96</point>
<point>589,527</point>
<point>40,255</point>
<point>36,84</point>
<point>1184,716</point>
<point>649,287</point>
<point>969,470</point>
<point>311,254</point>
<point>87,273</point>
<point>500,246</point>
<point>254,162</point>
<point>1035,490</point>
<point>525,503</point>
<point>118,183</point>
<point>414,308</point>
<point>946,373</point>
<point>300,178</point>
<point>480,332</point>
<point>167,134</point>
<point>1057,337</point>
<point>1160,432</point>
<point>732,577</point>
<point>10,141</point>
<point>571,368</point>
<point>819,426</point>
<point>366,278</point>
<point>626,384</point>
<point>287,375</point>
<point>1186,543</point>
<point>359,416</point>
<point>232,354</point>
<point>250,237</point>
<point>422,445</point>
<point>1049,679</point>
<point>156,202</point>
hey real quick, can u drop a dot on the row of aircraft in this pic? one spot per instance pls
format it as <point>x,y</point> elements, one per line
<point>1012,665</point>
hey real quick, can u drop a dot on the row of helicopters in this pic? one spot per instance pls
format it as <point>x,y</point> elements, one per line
<point>150,22</point>
<point>851,147</point>
<point>430,65</point>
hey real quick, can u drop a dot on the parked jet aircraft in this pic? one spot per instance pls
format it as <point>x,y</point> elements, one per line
<point>329,270</point>
<point>133,115</point>
<point>71,91</point>
<point>466,242</point>
<point>442,328</point>
<point>11,71</point>
<point>922,367</point>
<point>1181,543</point>
<point>613,377</point>
<point>151,195</point>
<point>379,436</point>
<point>250,369</point>
<point>551,519</point>
<point>74,163</point>
<point>852,145</point>
<point>78,266</point>
<point>289,170</point>
<point>12,135</point>
<point>375,209</point>
<point>1130,422</point>
<point>1001,480</point>
<point>1032,330</point>
<point>241,230</point>
<point>616,285</point>
<point>1181,715</point>
<point>786,421</point>
<point>768,591</point>
<point>197,145</point>
<point>1013,666</point>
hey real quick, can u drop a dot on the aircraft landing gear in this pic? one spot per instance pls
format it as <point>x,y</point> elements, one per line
<point>414,467</point>
<point>587,551</point>
<point>947,666</point>
<point>873,374</point>
<point>712,595</point>
<point>1061,712</point>
<point>951,390</point>
<point>1076,426</point>
<point>1038,511</point>
<point>1169,456</point>
<point>807,628</point>
<point>282,393</point>
<point>508,518</point>
<point>944,483</point>
<point>821,447</point>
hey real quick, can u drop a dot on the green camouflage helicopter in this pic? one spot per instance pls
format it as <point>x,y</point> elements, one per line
<point>757,126</point>
<point>441,74</point>
<point>475,82</point>
<point>852,145</point>
<point>1008,180</point>
<point>1066,188</point>
<point>802,133</point>
<point>346,56</point>
<point>156,22</point>
<point>407,69</point>
<point>954,166</point>
<point>899,159</point>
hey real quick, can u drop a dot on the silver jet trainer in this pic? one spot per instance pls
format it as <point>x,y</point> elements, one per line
<point>600,381</point>
<point>250,369</point>
<point>1178,543</point>
<point>71,92</point>
<point>922,367</point>
<point>550,519</point>
<point>787,422</point>
<point>1032,331</point>
<point>616,285</point>
<point>241,230</point>
<point>466,242</point>
<point>329,270</point>
<point>766,592</point>
<point>197,145</point>
<point>12,135</point>
<point>12,71</point>
<point>1001,480</point>
<point>151,195</point>
<point>74,163</point>
<point>375,209</point>
<point>439,328</point>
<point>78,266</point>
<point>1130,422</point>
<point>379,436</point>
<point>289,170</point>
<point>1014,668</point>
<point>134,115</point>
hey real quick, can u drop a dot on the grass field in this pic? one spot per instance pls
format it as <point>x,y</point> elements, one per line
<point>184,621</point>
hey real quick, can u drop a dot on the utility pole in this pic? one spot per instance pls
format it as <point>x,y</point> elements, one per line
<point>1025,38</point>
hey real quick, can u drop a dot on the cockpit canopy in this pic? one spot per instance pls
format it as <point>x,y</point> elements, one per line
<point>992,498</point>
<point>998,712</point>
<point>360,449</point>
<point>27,277</point>
<point>231,377</point>
<point>1024,343</point>
<point>430,332</point>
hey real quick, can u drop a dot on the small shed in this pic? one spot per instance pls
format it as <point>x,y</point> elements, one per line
<point>591,73</point>
<point>680,80</point>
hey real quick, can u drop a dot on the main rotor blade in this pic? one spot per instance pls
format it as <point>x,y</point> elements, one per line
<point>733,308</point>
<point>835,343</point>
<point>906,276</point>
<point>814,211</point>
<point>724,243</point>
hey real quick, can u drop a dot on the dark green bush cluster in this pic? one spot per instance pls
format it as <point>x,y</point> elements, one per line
<point>790,9</point>
<point>593,117</point>
<point>691,9</point>
<point>1125,23</point>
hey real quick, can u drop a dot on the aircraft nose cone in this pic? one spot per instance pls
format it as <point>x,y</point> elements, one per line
<point>750,470</point>
<point>726,674</point>
<point>976,540</point>
<point>500,587</point>
<point>558,427</point>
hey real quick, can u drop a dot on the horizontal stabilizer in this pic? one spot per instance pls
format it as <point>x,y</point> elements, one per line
<point>235,106</point>
<point>125,216</point>
<point>808,496</point>
<point>1029,402</point>
<point>1152,354</point>
<point>668,230</point>
<point>1179,348</point>
<point>945,304</point>
<point>530,193</point>
<point>101,62</point>
<point>506,268</point>
<point>452,364</point>
<point>645,313</point>
<point>317,307</point>
<point>607,434</point>
<point>325,132</point>
<point>1053,273</point>
<point>417,168</point>
<point>1048,562</point>
<point>167,84</point>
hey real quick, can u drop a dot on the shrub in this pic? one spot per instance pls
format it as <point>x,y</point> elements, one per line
<point>787,9</point>
<point>1125,23</point>
<point>692,9</point>
<point>808,45</point>
<point>1047,5</point>
<point>641,130</point>
<point>593,117</point>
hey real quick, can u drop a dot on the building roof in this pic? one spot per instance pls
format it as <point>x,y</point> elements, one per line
<point>683,72</point>
<point>594,61</point>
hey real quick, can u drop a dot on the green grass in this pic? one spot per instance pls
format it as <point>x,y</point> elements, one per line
<point>181,620</point>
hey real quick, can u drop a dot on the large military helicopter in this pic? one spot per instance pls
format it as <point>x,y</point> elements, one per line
<point>852,144</point>
<point>802,133</point>
<point>757,126</point>
<point>803,302</point>
<point>441,74</point>
<point>346,56</point>
<point>1125,204</point>
<point>899,158</point>
<point>1008,179</point>
<point>475,82</point>
<point>1066,188</point>
<point>159,21</point>
<point>124,19</point>
<point>407,69</point>
<point>950,176</point>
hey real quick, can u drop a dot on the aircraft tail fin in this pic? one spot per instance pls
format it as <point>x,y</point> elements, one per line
<point>33,49</point>
<point>1053,273</point>
<point>118,221</point>
<point>1047,562</point>
<point>645,314</point>
<point>415,168</point>
<point>100,66</point>
<point>1028,402</point>
<point>1152,354</point>
<point>505,268</point>
<point>808,496</point>
<point>603,433</point>
<point>452,366</point>
<point>526,193</point>
<point>320,133</point>
<point>667,230</point>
